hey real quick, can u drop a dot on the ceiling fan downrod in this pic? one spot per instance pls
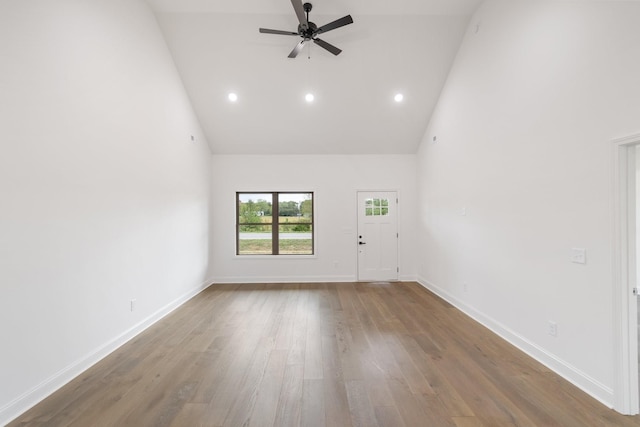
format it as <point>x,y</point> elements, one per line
<point>307,8</point>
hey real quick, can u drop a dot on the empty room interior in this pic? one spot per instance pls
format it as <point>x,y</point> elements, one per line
<point>423,214</point>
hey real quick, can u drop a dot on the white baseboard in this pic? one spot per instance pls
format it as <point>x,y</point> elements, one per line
<point>300,279</point>
<point>285,279</point>
<point>589,385</point>
<point>38,393</point>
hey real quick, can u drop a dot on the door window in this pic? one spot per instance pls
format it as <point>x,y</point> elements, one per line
<point>376,207</point>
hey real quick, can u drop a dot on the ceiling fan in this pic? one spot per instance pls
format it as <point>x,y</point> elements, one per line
<point>308,30</point>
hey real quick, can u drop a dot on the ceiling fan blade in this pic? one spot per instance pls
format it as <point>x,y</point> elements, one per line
<point>302,18</point>
<point>345,20</point>
<point>296,50</point>
<point>328,46</point>
<point>284,33</point>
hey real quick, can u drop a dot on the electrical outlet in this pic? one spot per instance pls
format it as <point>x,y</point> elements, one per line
<point>553,328</point>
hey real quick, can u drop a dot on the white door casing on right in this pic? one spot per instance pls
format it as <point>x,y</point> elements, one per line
<point>377,235</point>
<point>625,335</point>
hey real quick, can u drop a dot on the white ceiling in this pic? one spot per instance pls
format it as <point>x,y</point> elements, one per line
<point>338,7</point>
<point>393,46</point>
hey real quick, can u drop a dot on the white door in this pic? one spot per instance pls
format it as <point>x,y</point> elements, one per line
<point>377,235</point>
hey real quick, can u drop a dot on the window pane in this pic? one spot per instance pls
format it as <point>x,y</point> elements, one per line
<point>296,239</point>
<point>291,205</point>
<point>255,242</point>
<point>254,208</point>
<point>384,203</point>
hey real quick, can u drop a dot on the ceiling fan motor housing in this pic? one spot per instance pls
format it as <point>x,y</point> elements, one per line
<point>309,32</point>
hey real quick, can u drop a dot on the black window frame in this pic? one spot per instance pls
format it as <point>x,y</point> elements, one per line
<point>275,222</point>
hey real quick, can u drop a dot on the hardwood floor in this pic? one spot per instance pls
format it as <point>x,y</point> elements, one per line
<point>348,354</point>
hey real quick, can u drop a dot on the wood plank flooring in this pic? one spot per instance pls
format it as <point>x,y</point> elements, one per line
<point>347,354</point>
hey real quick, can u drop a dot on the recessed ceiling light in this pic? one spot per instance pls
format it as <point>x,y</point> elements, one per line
<point>309,97</point>
<point>399,97</point>
<point>233,97</point>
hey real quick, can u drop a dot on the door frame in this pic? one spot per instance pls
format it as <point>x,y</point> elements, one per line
<point>625,392</point>
<point>397,227</point>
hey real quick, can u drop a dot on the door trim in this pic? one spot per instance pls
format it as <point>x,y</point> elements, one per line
<point>625,342</point>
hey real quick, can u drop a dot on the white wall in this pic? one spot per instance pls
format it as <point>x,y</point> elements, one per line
<point>334,181</point>
<point>104,196</point>
<point>524,128</point>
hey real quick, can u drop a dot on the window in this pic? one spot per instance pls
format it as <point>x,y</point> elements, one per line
<point>274,223</point>
<point>376,207</point>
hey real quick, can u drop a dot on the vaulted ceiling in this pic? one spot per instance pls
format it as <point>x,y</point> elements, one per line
<point>400,46</point>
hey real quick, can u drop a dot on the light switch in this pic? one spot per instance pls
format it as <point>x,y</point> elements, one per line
<point>579,255</point>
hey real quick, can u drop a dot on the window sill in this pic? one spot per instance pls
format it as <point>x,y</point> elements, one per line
<point>275,257</point>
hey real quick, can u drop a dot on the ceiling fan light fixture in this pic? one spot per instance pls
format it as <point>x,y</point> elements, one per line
<point>399,97</point>
<point>233,97</point>
<point>309,97</point>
